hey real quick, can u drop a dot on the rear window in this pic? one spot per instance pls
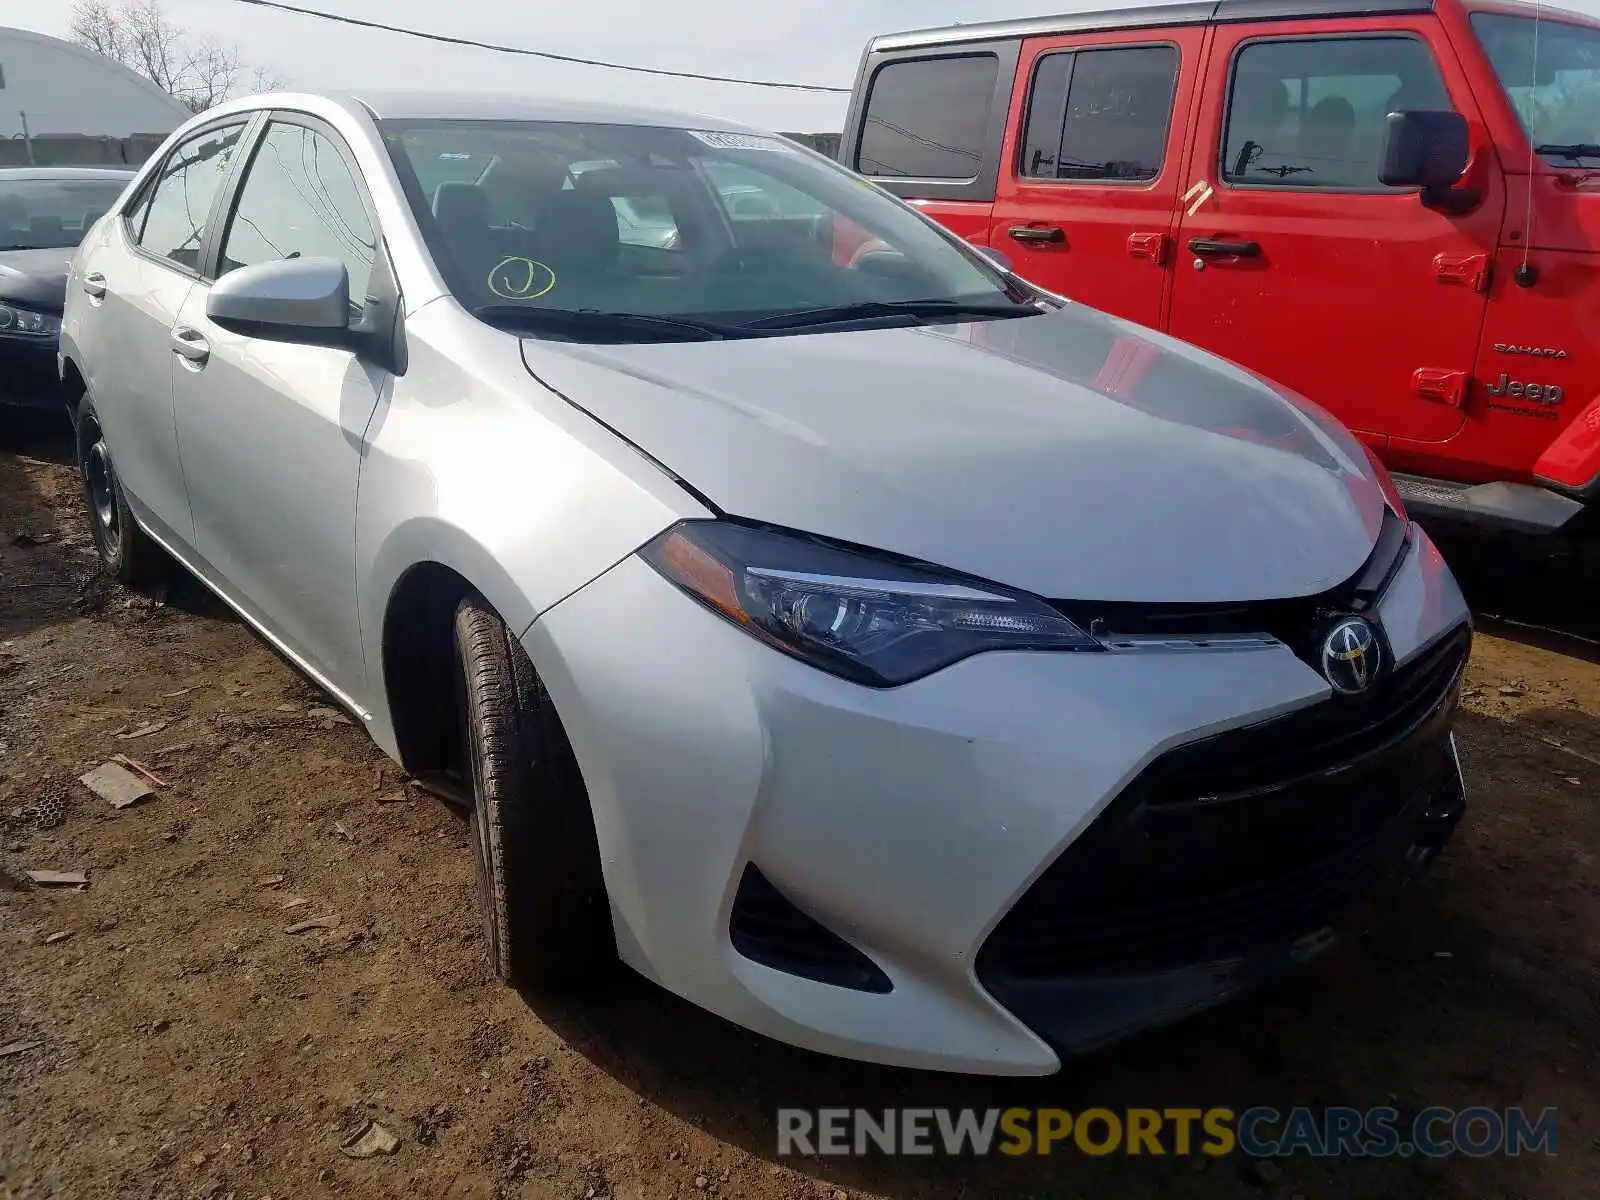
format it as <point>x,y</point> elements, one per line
<point>1100,114</point>
<point>926,118</point>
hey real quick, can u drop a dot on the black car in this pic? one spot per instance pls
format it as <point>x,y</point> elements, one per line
<point>44,213</point>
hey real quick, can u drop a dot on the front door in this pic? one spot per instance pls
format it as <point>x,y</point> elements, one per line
<point>1297,263</point>
<point>1089,178</point>
<point>271,433</point>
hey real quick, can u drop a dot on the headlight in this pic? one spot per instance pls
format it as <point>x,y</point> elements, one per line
<point>865,618</point>
<point>25,323</point>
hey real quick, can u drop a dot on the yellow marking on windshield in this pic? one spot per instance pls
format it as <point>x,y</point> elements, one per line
<point>521,279</point>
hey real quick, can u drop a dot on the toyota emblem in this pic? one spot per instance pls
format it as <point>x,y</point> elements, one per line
<point>1351,656</point>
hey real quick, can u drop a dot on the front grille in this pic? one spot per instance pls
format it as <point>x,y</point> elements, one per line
<point>1295,621</point>
<point>767,928</point>
<point>1248,839</point>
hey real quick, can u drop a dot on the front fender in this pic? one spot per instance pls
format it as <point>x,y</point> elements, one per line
<point>474,465</point>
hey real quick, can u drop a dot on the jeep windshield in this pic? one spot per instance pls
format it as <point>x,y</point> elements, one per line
<point>607,232</point>
<point>1550,70</point>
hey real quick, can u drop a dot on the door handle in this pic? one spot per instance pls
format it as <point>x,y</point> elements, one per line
<point>191,346</point>
<point>95,285</point>
<point>1053,235</point>
<point>1219,246</point>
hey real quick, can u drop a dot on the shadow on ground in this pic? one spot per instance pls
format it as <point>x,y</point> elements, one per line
<point>48,569</point>
<point>1478,988</point>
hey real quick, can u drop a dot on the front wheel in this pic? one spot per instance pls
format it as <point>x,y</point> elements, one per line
<point>126,551</point>
<point>547,921</point>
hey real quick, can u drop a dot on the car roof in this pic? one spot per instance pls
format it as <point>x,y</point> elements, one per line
<point>109,174</point>
<point>394,105</point>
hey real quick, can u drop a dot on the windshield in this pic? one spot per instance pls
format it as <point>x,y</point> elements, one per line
<point>671,223</point>
<point>1554,85</point>
<point>52,214</point>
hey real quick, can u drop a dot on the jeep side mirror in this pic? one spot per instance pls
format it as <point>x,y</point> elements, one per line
<point>1427,150</point>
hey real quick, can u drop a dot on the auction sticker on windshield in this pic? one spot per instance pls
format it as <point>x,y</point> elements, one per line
<point>741,141</point>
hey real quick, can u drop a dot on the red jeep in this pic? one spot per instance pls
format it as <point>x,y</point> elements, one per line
<point>1390,206</point>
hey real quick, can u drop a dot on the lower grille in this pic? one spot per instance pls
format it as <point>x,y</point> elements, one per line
<point>1251,838</point>
<point>766,928</point>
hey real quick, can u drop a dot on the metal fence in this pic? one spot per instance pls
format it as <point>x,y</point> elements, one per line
<point>78,150</point>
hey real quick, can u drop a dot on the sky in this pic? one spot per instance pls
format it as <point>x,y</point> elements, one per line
<point>809,41</point>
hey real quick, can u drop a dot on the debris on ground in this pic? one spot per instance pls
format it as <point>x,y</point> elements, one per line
<point>270,881</point>
<point>18,1048</point>
<point>145,730</point>
<point>369,1141</point>
<point>58,878</point>
<point>116,785</point>
<point>133,764</point>
<point>329,922</point>
<point>295,902</point>
<point>62,936</point>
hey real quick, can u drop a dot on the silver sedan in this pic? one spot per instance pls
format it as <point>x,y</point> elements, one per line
<point>852,638</point>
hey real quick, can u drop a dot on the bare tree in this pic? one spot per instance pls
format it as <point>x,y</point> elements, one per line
<point>137,34</point>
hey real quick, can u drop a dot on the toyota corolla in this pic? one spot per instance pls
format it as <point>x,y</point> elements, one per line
<point>865,645</point>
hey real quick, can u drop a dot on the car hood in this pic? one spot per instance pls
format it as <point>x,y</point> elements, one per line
<point>1073,455</point>
<point>37,277</point>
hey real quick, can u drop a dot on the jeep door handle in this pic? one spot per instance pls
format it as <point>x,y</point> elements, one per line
<point>1217,246</point>
<point>95,285</point>
<point>1053,234</point>
<point>191,346</point>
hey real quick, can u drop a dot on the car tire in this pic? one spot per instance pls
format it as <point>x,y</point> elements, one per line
<point>126,552</point>
<point>546,917</point>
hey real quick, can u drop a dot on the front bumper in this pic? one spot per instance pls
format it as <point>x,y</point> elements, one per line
<point>911,822</point>
<point>29,376</point>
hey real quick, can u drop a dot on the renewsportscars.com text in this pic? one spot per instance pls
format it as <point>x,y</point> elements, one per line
<point>1259,1132</point>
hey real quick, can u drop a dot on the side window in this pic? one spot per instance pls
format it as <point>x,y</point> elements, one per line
<point>171,220</point>
<point>299,200</point>
<point>1100,114</point>
<point>1310,113</point>
<point>926,118</point>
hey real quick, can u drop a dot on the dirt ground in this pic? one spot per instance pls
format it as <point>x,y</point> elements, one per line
<point>188,1046</point>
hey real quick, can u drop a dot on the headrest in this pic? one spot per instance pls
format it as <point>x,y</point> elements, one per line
<point>459,204</point>
<point>578,229</point>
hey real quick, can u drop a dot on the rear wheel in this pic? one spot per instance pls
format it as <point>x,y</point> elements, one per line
<point>547,921</point>
<point>126,551</point>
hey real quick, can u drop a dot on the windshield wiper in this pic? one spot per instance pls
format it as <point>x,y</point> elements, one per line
<point>592,321</point>
<point>1574,150</point>
<point>866,310</point>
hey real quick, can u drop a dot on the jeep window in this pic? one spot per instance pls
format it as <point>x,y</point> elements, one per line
<point>926,118</point>
<point>1554,90</point>
<point>1100,114</point>
<point>1311,113</point>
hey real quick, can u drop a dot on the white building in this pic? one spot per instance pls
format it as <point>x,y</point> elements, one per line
<point>60,88</point>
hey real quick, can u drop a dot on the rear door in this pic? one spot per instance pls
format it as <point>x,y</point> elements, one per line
<point>1297,262</point>
<point>927,124</point>
<point>1091,168</point>
<point>138,280</point>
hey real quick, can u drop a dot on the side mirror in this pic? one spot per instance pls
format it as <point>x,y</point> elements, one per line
<point>301,300</point>
<point>1427,150</point>
<point>998,257</point>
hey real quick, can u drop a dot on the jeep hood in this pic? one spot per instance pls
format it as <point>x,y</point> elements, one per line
<point>1070,454</point>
